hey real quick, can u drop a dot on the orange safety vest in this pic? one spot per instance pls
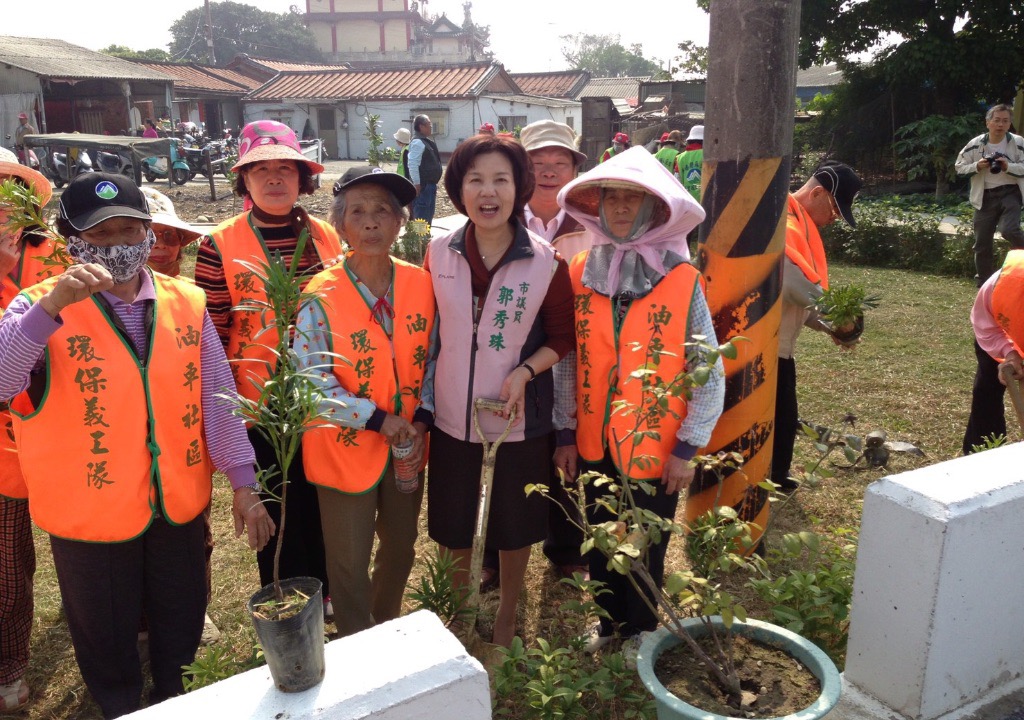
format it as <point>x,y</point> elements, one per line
<point>354,461</point>
<point>30,270</point>
<point>1006,298</point>
<point>605,358</point>
<point>803,244</point>
<point>130,435</point>
<point>239,241</point>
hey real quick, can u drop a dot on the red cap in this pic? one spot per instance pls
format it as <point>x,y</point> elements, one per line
<point>22,116</point>
<point>486,128</point>
<point>621,138</point>
<point>664,138</point>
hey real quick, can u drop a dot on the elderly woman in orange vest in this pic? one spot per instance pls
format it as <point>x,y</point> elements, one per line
<point>370,326</point>
<point>123,365</point>
<point>22,256</point>
<point>505,315</point>
<point>272,173</point>
<point>636,288</point>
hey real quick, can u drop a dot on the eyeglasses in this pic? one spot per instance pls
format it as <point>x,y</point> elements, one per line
<point>836,214</point>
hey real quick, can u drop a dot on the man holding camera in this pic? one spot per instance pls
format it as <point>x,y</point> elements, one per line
<point>995,163</point>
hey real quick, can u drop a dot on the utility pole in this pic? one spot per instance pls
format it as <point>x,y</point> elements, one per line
<point>748,138</point>
<point>209,34</point>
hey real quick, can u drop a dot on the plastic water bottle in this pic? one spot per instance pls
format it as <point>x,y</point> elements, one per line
<point>407,477</point>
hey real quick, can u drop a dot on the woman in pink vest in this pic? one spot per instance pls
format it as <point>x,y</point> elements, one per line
<point>504,304</point>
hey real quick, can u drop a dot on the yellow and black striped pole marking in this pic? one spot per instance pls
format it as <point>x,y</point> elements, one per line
<point>740,255</point>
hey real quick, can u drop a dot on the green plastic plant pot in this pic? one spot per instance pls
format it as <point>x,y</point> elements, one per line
<point>671,707</point>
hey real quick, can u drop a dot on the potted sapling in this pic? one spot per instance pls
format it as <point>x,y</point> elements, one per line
<point>841,310</point>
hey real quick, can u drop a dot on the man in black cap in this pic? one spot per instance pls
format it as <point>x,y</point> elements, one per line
<point>827,196</point>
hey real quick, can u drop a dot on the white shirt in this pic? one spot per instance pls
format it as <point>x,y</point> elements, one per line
<point>537,225</point>
<point>1000,178</point>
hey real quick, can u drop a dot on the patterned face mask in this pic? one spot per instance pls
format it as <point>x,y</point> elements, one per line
<point>123,262</point>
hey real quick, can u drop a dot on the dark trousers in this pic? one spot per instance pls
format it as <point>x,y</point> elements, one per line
<point>987,414</point>
<point>786,420</point>
<point>302,551</point>
<point>424,204</point>
<point>105,588</point>
<point>627,610</point>
<point>1000,209</point>
<point>562,544</point>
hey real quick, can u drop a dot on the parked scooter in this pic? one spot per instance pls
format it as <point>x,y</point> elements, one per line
<point>115,163</point>
<point>58,168</point>
<point>156,167</point>
<point>215,151</point>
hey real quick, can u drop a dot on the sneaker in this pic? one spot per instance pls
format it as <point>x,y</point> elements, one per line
<point>211,633</point>
<point>631,648</point>
<point>328,609</point>
<point>593,640</point>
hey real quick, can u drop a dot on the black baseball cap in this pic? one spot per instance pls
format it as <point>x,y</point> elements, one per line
<point>401,188</point>
<point>842,183</point>
<point>94,197</point>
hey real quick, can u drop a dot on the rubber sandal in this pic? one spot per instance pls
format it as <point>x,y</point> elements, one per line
<point>14,697</point>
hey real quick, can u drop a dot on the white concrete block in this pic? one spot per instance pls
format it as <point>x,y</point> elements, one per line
<point>938,618</point>
<point>411,667</point>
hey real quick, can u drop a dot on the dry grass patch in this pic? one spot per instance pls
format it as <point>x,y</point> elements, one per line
<point>911,376</point>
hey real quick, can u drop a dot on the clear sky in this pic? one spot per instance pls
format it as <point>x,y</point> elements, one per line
<point>524,33</point>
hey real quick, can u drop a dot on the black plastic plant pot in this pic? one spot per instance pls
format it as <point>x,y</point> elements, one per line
<point>850,334</point>
<point>293,647</point>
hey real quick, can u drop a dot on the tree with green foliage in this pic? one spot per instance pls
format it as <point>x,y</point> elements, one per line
<point>239,28</point>
<point>929,147</point>
<point>947,56</point>
<point>604,56</point>
<point>127,53</point>
<point>694,59</point>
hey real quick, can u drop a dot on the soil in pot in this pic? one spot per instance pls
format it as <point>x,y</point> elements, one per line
<point>781,684</point>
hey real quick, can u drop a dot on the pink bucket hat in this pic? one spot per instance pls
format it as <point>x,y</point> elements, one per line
<point>270,140</point>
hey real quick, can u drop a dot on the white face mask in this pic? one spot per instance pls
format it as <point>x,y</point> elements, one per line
<point>123,262</point>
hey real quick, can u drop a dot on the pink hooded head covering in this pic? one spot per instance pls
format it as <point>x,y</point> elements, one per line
<point>652,252</point>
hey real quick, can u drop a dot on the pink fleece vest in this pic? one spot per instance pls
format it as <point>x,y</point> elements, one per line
<point>475,358</point>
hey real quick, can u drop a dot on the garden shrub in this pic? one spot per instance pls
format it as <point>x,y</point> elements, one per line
<point>902,232</point>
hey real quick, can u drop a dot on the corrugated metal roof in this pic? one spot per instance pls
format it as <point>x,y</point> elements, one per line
<point>551,84</point>
<point>819,76</point>
<point>195,77</point>
<point>440,81</point>
<point>618,87</point>
<point>52,58</point>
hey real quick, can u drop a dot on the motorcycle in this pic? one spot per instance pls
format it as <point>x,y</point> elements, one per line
<point>115,163</point>
<point>59,172</point>
<point>24,158</point>
<point>217,153</point>
<point>156,167</point>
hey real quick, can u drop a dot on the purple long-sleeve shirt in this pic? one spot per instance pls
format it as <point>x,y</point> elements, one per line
<point>25,329</point>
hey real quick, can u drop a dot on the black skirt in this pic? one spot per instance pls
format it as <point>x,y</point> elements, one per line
<point>453,489</point>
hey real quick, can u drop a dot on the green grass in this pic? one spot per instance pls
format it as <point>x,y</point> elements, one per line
<point>910,376</point>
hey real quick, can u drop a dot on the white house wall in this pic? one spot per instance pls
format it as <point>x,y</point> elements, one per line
<point>464,118</point>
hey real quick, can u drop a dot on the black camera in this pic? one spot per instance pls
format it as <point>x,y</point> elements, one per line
<point>993,166</point>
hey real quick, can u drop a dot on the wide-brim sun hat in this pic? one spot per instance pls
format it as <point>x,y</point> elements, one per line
<point>696,133</point>
<point>270,140</point>
<point>10,167</point>
<point>550,134</point>
<point>403,136</point>
<point>162,211</point>
<point>403,190</point>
